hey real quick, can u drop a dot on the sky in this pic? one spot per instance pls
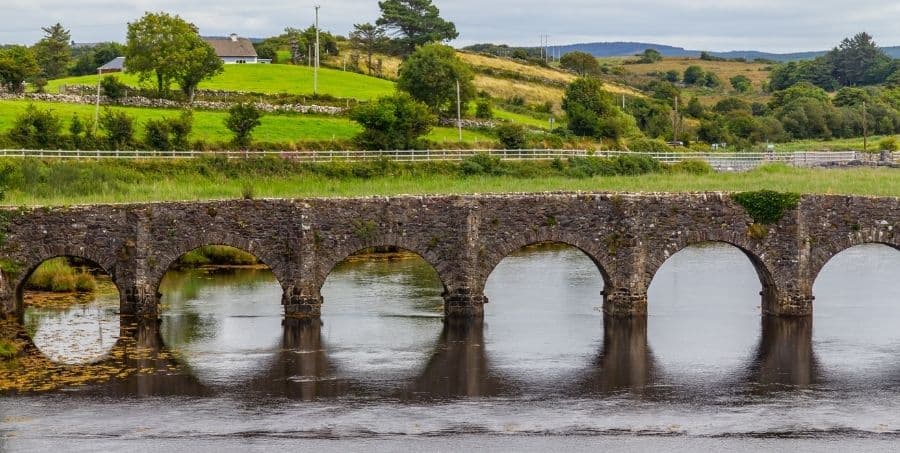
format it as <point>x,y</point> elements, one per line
<point>715,25</point>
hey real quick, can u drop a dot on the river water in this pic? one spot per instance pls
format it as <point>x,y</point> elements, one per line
<point>542,371</point>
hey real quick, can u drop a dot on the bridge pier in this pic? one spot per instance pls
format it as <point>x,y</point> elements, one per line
<point>302,304</point>
<point>624,303</point>
<point>789,304</point>
<point>139,300</point>
<point>464,303</point>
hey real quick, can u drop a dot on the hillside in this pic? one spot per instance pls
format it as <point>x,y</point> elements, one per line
<point>624,49</point>
<point>271,79</point>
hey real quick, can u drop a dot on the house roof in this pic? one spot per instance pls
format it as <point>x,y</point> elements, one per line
<point>232,46</point>
<point>116,64</point>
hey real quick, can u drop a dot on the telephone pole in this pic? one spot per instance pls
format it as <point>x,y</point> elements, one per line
<point>675,122</point>
<point>459,111</point>
<point>865,119</point>
<point>316,68</point>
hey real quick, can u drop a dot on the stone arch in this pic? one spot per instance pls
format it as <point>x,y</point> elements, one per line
<point>271,258</point>
<point>597,251</point>
<point>822,253</point>
<point>107,264</point>
<point>739,240</point>
<point>444,267</point>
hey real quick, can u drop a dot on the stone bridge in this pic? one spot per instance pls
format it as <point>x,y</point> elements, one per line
<point>628,236</point>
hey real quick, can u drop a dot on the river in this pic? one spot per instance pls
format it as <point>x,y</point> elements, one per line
<point>543,371</point>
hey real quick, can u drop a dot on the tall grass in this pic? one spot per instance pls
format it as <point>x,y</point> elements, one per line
<point>217,255</point>
<point>59,276</point>
<point>56,182</point>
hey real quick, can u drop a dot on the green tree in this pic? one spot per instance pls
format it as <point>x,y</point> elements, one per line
<point>694,75</point>
<point>53,52</point>
<point>695,109</point>
<point>201,63</point>
<point>241,120</point>
<point>430,76</point>
<point>369,39</point>
<point>119,128</point>
<point>650,56</point>
<point>856,61</point>
<point>712,80</point>
<point>741,83</point>
<point>512,136</point>
<point>17,64</point>
<point>581,63</point>
<point>592,111</point>
<point>672,76</point>
<point>392,122</point>
<point>414,23</point>
<point>160,46</point>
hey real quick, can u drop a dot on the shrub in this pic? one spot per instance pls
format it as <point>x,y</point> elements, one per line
<point>169,133</point>
<point>484,110</point>
<point>767,207</point>
<point>113,88</point>
<point>242,119</point>
<point>889,144</point>
<point>636,164</point>
<point>692,166</point>
<point>392,122</point>
<point>482,164</point>
<point>156,135</point>
<point>8,349</point>
<point>36,129</point>
<point>119,128</point>
<point>218,255</point>
<point>512,136</point>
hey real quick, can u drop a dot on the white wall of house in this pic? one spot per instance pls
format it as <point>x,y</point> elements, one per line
<point>240,60</point>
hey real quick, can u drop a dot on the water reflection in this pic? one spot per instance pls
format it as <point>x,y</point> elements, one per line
<point>624,364</point>
<point>73,328</point>
<point>784,358</point>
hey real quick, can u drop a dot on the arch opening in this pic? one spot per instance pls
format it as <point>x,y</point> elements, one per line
<point>544,324</point>
<point>704,310</point>
<point>220,308</point>
<point>382,313</point>
<point>856,313</point>
<point>70,309</point>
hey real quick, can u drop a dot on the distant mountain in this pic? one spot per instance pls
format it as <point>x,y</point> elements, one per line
<point>622,49</point>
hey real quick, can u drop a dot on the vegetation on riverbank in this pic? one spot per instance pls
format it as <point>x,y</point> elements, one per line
<point>59,276</point>
<point>68,182</point>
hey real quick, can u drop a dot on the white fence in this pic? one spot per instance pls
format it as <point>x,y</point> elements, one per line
<point>719,161</point>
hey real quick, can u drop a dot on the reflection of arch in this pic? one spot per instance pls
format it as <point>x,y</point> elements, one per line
<point>108,266</point>
<point>597,251</point>
<point>443,267</point>
<point>626,362</point>
<point>272,259</point>
<point>769,293</point>
<point>820,256</point>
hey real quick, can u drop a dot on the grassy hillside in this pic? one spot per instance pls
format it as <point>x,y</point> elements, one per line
<point>210,127</point>
<point>272,79</point>
<point>641,74</point>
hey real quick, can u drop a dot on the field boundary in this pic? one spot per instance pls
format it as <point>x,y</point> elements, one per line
<point>720,161</point>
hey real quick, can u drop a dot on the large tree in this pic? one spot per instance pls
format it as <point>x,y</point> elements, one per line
<point>17,64</point>
<point>582,63</point>
<point>857,60</point>
<point>592,111</point>
<point>368,39</point>
<point>430,76</point>
<point>53,51</point>
<point>414,23</point>
<point>163,47</point>
<point>201,63</point>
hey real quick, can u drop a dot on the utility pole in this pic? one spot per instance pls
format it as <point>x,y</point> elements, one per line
<point>459,111</point>
<point>316,68</point>
<point>865,118</point>
<point>97,106</point>
<point>675,122</point>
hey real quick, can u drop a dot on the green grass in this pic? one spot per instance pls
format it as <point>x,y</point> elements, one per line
<point>89,182</point>
<point>58,276</point>
<point>845,144</point>
<point>210,126</point>
<point>217,255</point>
<point>269,79</point>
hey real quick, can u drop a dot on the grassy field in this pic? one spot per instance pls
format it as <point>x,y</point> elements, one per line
<point>88,182</point>
<point>844,144</point>
<point>272,79</point>
<point>210,126</point>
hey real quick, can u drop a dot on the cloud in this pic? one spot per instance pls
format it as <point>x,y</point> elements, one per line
<point>772,25</point>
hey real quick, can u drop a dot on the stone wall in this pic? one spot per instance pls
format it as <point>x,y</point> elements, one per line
<point>629,237</point>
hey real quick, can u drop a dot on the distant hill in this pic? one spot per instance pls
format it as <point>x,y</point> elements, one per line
<point>622,49</point>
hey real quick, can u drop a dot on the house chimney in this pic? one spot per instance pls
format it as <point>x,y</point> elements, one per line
<point>234,37</point>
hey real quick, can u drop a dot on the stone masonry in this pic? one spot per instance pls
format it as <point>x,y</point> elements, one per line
<point>628,236</point>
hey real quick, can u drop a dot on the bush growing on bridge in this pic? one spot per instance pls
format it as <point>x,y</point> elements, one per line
<point>767,207</point>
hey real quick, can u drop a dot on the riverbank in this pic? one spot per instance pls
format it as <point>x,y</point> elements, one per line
<point>60,183</point>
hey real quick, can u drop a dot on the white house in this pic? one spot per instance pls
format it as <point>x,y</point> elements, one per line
<point>235,50</point>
